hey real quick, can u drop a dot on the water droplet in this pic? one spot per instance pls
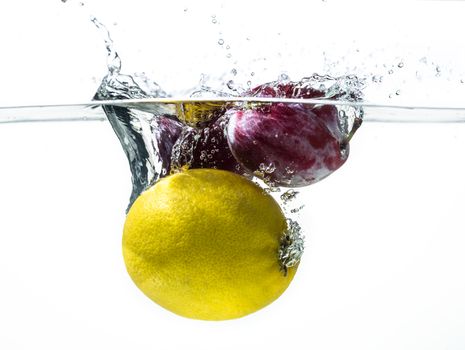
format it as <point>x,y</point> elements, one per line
<point>228,55</point>
<point>252,74</point>
<point>249,83</point>
<point>398,92</point>
<point>221,42</point>
<point>234,72</point>
<point>228,47</point>
<point>283,77</point>
<point>390,71</point>
<point>400,64</point>
<point>438,71</point>
<point>462,81</point>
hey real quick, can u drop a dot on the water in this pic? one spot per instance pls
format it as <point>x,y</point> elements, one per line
<point>384,233</point>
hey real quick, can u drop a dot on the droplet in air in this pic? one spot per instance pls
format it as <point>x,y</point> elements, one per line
<point>398,92</point>
<point>228,55</point>
<point>230,85</point>
<point>221,42</point>
<point>228,47</point>
<point>390,71</point>
<point>400,64</point>
<point>234,71</point>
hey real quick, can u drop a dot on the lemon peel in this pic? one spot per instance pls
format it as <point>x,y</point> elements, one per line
<point>205,244</point>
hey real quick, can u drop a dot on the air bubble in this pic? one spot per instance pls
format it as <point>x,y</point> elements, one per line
<point>400,64</point>
<point>220,42</point>
<point>390,71</point>
<point>234,72</point>
<point>288,196</point>
<point>228,55</point>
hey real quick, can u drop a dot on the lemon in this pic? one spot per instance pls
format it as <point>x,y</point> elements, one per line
<point>204,244</point>
<point>196,113</point>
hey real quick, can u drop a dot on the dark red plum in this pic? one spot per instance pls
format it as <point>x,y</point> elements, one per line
<point>286,90</point>
<point>206,147</point>
<point>287,144</point>
<point>328,113</point>
<point>212,149</point>
<point>167,133</point>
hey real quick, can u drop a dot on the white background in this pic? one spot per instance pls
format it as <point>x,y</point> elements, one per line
<point>384,263</point>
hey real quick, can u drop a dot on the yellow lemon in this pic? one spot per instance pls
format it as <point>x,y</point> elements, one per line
<point>196,113</point>
<point>204,244</point>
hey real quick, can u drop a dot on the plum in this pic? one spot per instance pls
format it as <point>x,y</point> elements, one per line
<point>286,90</point>
<point>287,144</point>
<point>166,133</point>
<point>205,147</point>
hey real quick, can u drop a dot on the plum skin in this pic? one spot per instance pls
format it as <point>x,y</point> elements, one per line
<point>297,146</point>
<point>181,145</point>
<point>212,149</point>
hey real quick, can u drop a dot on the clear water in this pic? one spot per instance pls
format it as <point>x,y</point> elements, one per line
<point>384,242</point>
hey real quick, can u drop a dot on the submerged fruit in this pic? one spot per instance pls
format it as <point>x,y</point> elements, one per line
<point>199,113</point>
<point>287,144</point>
<point>205,244</point>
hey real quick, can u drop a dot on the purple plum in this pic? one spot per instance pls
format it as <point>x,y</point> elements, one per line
<point>205,147</point>
<point>287,144</point>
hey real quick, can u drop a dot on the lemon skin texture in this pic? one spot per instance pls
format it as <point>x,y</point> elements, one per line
<point>204,244</point>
